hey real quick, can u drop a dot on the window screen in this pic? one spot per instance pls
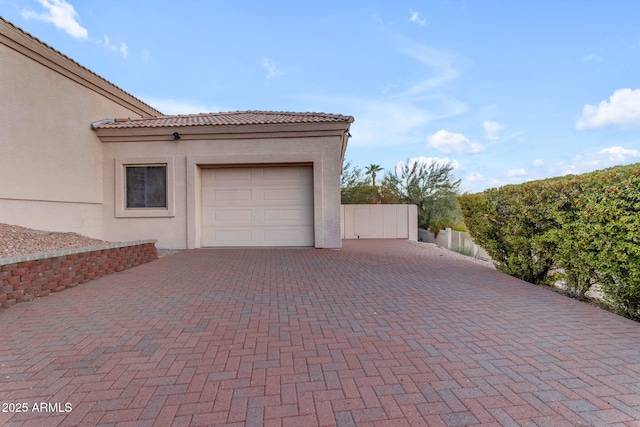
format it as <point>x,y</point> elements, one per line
<point>146,186</point>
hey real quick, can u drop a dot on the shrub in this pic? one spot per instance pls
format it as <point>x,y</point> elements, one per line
<point>514,229</point>
<point>432,187</point>
<point>459,225</point>
<point>603,244</point>
<point>360,193</point>
<point>581,229</point>
<point>438,224</point>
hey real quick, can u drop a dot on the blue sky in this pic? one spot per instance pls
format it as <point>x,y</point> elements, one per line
<point>507,90</point>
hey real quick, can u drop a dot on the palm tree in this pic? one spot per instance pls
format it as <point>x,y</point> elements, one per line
<point>372,169</point>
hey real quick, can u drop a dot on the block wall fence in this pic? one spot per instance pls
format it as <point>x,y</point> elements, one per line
<point>379,222</point>
<point>26,277</point>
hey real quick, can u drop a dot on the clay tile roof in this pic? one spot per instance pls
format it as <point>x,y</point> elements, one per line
<point>228,118</point>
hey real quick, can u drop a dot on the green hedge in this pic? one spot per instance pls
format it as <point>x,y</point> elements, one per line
<point>583,230</point>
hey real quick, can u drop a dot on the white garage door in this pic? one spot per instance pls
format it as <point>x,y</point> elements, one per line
<point>270,206</point>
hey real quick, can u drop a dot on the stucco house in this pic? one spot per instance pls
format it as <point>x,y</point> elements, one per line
<point>79,154</point>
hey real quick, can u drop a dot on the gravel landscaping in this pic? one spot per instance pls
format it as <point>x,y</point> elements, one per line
<point>16,241</point>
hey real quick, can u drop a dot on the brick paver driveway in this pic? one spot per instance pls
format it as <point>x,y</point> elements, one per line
<point>379,333</point>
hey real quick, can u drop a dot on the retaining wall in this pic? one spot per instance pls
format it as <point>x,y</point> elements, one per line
<point>23,278</point>
<point>451,239</point>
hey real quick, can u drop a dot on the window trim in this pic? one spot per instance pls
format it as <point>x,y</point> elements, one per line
<point>121,210</point>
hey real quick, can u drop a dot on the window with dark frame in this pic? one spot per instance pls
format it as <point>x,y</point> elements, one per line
<point>146,186</point>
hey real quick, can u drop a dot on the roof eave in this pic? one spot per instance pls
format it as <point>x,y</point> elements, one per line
<point>247,131</point>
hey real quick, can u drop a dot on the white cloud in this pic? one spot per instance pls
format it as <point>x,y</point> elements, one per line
<point>389,121</point>
<point>272,70</point>
<point>64,16</point>
<point>577,164</point>
<point>475,177</point>
<point>415,17</point>
<point>619,154</point>
<point>492,130</point>
<point>118,46</point>
<point>61,14</point>
<point>474,182</point>
<point>516,172</point>
<point>449,142</point>
<point>623,110</point>
<point>582,163</point>
<point>607,157</point>
<point>146,54</point>
<point>477,181</point>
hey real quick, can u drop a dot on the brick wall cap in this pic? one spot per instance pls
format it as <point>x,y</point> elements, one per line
<point>64,252</point>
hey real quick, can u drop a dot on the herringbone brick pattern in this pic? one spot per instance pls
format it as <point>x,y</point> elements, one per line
<point>380,333</point>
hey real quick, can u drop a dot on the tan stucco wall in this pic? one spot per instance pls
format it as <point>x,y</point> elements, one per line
<point>83,218</point>
<point>182,230</point>
<point>51,160</point>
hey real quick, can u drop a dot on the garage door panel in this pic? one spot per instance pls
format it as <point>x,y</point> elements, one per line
<point>283,215</point>
<point>232,174</point>
<point>227,217</point>
<point>270,206</point>
<point>286,174</point>
<point>232,215</point>
<point>282,195</point>
<point>258,217</point>
<point>232,195</point>
<point>233,236</point>
<point>274,237</point>
<point>217,197</point>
